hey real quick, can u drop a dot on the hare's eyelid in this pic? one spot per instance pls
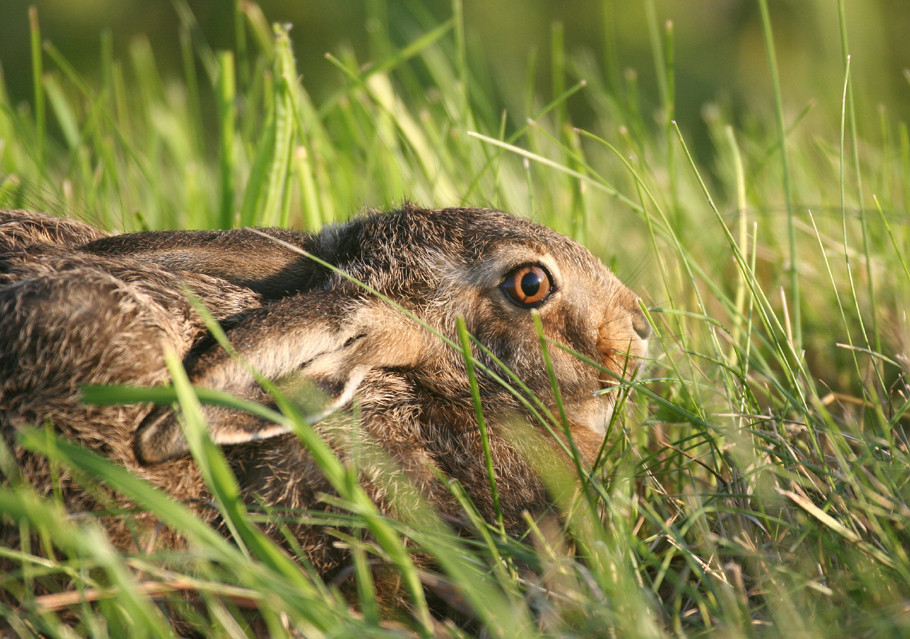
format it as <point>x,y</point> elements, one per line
<point>532,263</point>
<point>489,273</point>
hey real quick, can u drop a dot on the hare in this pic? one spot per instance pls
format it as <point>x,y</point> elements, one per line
<point>83,307</point>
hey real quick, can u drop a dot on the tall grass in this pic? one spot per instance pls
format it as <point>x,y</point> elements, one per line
<point>757,483</point>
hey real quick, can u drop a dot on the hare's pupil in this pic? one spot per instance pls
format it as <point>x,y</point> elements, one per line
<point>530,283</point>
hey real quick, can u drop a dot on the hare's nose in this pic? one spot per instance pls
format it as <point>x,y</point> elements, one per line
<point>639,322</point>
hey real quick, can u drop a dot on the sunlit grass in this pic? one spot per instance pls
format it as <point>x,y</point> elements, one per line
<point>757,482</point>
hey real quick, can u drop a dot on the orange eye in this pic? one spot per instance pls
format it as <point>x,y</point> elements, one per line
<point>527,286</point>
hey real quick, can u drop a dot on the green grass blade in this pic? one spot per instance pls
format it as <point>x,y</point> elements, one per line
<point>481,422</point>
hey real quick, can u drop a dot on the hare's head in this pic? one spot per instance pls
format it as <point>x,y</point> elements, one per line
<point>346,325</point>
<point>496,271</point>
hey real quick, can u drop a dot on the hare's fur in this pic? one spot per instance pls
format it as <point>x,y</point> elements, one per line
<point>82,307</point>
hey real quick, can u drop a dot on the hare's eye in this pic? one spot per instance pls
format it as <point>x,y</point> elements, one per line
<point>527,286</point>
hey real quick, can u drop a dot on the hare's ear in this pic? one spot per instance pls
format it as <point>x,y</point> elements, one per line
<point>269,261</point>
<point>331,338</point>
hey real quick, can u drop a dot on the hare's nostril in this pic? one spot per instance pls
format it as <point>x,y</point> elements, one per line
<point>640,324</point>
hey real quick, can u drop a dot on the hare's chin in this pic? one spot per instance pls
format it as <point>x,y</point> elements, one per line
<point>595,414</point>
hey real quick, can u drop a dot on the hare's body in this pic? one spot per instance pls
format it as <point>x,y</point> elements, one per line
<point>80,307</point>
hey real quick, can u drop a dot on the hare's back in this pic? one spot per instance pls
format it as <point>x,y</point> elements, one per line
<point>72,319</point>
<point>20,229</point>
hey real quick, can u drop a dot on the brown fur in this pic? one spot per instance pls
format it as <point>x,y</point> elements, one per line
<point>80,307</point>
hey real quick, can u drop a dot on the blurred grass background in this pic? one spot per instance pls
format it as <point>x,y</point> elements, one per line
<point>720,53</point>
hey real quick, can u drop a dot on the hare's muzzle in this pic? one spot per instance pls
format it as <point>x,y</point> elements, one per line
<point>623,342</point>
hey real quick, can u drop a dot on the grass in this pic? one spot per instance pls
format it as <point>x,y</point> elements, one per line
<point>757,484</point>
